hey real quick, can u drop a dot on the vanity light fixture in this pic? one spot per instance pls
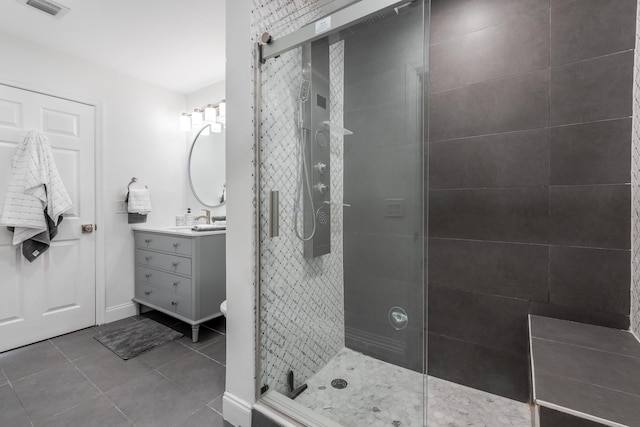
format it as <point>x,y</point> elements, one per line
<point>213,114</point>
<point>196,118</point>
<point>210,113</point>
<point>185,122</point>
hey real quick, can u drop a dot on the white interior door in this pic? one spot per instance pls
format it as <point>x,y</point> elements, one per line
<point>55,294</point>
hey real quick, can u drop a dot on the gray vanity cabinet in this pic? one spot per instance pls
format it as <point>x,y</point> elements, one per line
<point>180,275</point>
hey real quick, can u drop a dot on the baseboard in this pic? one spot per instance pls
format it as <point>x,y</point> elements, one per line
<point>236,411</point>
<point>119,312</point>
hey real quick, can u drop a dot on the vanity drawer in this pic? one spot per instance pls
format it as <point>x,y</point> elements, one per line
<point>171,282</point>
<point>167,300</point>
<point>169,263</point>
<point>164,243</point>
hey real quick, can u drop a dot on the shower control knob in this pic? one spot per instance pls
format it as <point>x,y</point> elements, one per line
<point>322,168</point>
<point>322,188</point>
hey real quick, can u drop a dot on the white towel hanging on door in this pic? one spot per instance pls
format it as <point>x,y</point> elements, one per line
<point>35,187</point>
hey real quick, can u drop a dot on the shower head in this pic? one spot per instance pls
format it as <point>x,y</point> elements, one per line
<point>305,85</point>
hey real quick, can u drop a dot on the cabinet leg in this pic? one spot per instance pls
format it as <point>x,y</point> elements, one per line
<point>138,308</point>
<point>194,332</point>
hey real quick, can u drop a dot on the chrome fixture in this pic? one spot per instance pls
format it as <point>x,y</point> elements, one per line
<point>206,216</point>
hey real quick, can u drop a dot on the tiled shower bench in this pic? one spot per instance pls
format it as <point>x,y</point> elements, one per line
<point>584,375</point>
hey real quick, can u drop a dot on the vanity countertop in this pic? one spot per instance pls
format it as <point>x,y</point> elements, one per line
<point>178,231</point>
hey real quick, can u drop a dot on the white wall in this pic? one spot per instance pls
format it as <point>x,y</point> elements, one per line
<point>212,94</point>
<point>240,382</point>
<point>139,136</point>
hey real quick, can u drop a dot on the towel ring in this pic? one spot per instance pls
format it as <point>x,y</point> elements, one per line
<point>134,179</point>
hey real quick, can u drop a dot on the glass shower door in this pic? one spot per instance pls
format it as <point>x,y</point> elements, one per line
<point>342,298</point>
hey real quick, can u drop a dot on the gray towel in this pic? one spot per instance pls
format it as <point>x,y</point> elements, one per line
<point>37,245</point>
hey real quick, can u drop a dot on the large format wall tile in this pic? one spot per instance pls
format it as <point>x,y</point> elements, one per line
<point>552,418</point>
<point>486,320</point>
<point>576,314</point>
<point>507,215</point>
<point>591,153</point>
<point>488,369</point>
<point>515,159</point>
<point>506,269</point>
<point>594,216</point>
<point>517,47</point>
<point>377,126</point>
<point>522,136</point>
<point>377,338</point>
<point>386,256</point>
<point>595,89</point>
<point>380,81</point>
<point>455,18</point>
<point>590,279</point>
<point>582,29</point>
<point>510,104</point>
<point>373,297</point>
<point>372,184</point>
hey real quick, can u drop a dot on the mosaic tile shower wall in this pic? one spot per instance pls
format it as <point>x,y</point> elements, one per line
<point>635,189</point>
<point>302,301</point>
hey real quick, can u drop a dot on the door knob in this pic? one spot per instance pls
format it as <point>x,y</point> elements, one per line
<point>87,228</point>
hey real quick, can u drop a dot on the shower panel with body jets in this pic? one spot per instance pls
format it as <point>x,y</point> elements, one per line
<point>314,173</point>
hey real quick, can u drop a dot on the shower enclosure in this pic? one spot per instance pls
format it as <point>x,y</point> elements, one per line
<point>341,178</point>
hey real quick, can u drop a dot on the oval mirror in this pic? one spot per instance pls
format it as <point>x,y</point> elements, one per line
<point>207,167</point>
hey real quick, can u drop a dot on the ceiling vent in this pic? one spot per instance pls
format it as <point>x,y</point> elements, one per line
<point>53,9</point>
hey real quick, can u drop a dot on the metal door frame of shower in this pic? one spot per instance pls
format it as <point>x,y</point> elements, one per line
<point>343,14</point>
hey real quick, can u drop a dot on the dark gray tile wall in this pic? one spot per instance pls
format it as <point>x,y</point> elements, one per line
<point>529,142</point>
<point>553,418</point>
<point>383,262</point>
<point>514,103</point>
<point>583,30</point>
<point>515,159</point>
<point>592,89</point>
<point>590,153</point>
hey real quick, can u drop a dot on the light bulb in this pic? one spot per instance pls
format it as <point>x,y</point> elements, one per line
<point>196,118</point>
<point>210,113</point>
<point>185,122</point>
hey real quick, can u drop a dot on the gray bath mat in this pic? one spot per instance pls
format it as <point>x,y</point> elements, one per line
<point>132,340</point>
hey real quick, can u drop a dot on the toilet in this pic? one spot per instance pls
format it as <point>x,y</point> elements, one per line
<point>223,308</point>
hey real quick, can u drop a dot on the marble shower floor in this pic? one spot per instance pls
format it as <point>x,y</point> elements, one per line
<point>381,394</point>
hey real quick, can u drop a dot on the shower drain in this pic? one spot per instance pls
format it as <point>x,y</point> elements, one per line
<point>339,383</point>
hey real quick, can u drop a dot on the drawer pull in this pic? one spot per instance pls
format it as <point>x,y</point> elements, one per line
<point>173,303</point>
<point>147,293</point>
<point>175,264</point>
<point>147,275</point>
<point>147,241</point>
<point>175,245</point>
<point>147,258</point>
<point>176,283</point>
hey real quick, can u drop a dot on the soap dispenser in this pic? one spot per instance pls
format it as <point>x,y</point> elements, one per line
<point>189,217</point>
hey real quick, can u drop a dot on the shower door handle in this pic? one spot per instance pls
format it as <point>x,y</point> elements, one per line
<point>274,214</point>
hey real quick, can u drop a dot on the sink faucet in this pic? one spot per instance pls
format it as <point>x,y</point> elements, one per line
<point>206,216</point>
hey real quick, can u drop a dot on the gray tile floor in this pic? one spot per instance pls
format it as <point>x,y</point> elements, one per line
<point>73,380</point>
